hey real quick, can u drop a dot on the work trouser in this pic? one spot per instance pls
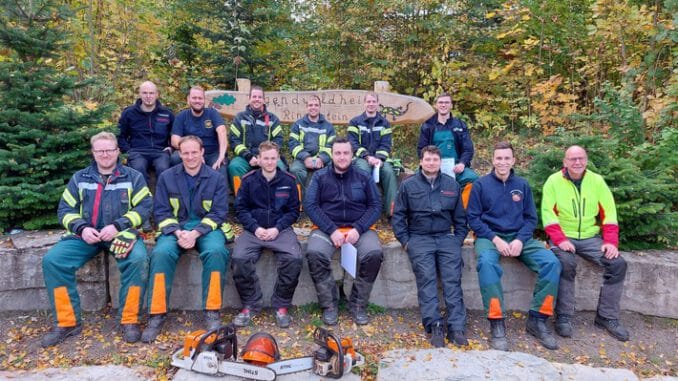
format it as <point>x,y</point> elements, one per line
<point>71,253</point>
<point>247,252</point>
<point>301,173</point>
<point>319,253</point>
<point>214,257</point>
<point>613,277</point>
<point>140,159</point>
<point>238,167</point>
<point>430,255</point>
<point>387,180</point>
<point>535,256</point>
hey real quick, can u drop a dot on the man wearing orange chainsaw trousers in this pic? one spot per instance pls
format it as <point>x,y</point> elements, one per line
<point>190,206</point>
<point>343,202</point>
<point>99,206</point>
<point>502,213</point>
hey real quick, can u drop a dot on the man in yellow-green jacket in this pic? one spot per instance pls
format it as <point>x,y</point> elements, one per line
<point>580,218</point>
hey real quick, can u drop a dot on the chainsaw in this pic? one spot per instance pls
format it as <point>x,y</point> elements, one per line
<point>215,353</point>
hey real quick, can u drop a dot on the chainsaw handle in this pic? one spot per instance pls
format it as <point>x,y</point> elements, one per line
<point>224,332</point>
<point>322,337</point>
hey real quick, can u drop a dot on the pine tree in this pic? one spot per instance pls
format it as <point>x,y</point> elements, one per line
<point>43,133</point>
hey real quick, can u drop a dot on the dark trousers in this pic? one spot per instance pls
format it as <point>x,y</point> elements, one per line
<point>430,255</point>
<point>319,253</point>
<point>613,277</point>
<point>247,252</point>
<point>141,159</point>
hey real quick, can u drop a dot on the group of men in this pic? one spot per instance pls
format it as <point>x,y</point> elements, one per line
<point>104,204</point>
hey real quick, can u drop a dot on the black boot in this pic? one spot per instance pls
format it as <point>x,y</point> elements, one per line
<point>59,334</point>
<point>498,335</point>
<point>613,327</point>
<point>153,328</point>
<point>437,338</point>
<point>131,333</point>
<point>536,326</point>
<point>563,326</point>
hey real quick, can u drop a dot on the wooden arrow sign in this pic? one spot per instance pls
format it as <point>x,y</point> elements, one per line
<point>338,106</point>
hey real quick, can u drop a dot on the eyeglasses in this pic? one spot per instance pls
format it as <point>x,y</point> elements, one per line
<point>576,159</point>
<point>105,151</point>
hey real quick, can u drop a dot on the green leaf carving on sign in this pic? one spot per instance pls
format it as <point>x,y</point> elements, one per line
<point>225,99</point>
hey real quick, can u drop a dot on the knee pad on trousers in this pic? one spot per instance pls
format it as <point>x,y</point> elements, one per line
<point>370,265</point>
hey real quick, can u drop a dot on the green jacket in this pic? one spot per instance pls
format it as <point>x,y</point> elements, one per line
<point>579,214</point>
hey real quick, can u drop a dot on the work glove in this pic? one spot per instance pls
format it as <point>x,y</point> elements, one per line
<point>123,243</point>
<point>229,234</point>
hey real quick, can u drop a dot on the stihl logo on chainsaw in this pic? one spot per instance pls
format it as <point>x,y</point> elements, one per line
<point>216,353</point>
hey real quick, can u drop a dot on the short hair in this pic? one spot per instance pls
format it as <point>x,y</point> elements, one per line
<point>431,149</point>
<point>443,95</point>
<point>340,140</point>
<point>503,145</point>
<point>314,96</point>
<point>267,145</point>
<point>256,87</point>
<point>190,138</point>
<point>103,135</point>
<point>195,87</point>
<point>371,94</point>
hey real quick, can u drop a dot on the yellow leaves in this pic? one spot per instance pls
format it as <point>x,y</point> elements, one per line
<point>490,15</point>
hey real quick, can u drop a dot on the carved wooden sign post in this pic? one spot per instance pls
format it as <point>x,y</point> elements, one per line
<point>338,106</point>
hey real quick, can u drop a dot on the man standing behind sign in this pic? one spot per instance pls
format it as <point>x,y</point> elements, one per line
<point>205,123</point>
<point>451,135</point>
<point>248,130</point>
<point>370,136</point>
<point>343,203</point>
<point>310,142</point>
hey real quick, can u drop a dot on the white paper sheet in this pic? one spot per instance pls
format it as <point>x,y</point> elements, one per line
<point>349,258</point>
<point>447,166</point>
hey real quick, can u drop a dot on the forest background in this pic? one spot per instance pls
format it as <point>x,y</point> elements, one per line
<point>540,74</point>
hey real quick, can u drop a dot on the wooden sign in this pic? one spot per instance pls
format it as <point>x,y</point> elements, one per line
<point>338,106</point>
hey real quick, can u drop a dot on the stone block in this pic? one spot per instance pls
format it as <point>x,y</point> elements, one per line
<point>649,285</point>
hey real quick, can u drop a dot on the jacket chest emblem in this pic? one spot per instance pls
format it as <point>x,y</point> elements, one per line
<point>208,123</point>
<point>516,195</point>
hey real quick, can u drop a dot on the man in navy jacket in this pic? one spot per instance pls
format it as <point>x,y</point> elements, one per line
<point>502,213</point>
<point>343,203</point>
<point>144,132</point>
<point>267,205</point>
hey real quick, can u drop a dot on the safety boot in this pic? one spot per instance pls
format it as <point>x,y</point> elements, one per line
<point>437,338</point>
<point>212,319</point>
<point>282,318</point>
<point>130,333</point>
<point>498,335</point>
<point>330,316</point>
<point>536,326</point>
<point>59,334</point>
<point>244,318</point>
<point>613,327</point>
<point>563,326</point>
<point>153,328</point>
<point>359,315</point>
<point>457,337</point>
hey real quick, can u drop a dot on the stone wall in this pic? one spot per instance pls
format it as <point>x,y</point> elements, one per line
<point>649,286</point>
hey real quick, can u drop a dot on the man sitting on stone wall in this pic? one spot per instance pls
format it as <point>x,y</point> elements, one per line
<point>576,203</point>
<point>310,142</point>
<point>427,206</point>
<point>190,207</point>
<point>99,207</point>
<point>501,212</point>
<point>343,202</point>
<point>267,205</point>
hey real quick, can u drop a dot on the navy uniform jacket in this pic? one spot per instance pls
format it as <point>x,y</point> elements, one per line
<point>265,204</point>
